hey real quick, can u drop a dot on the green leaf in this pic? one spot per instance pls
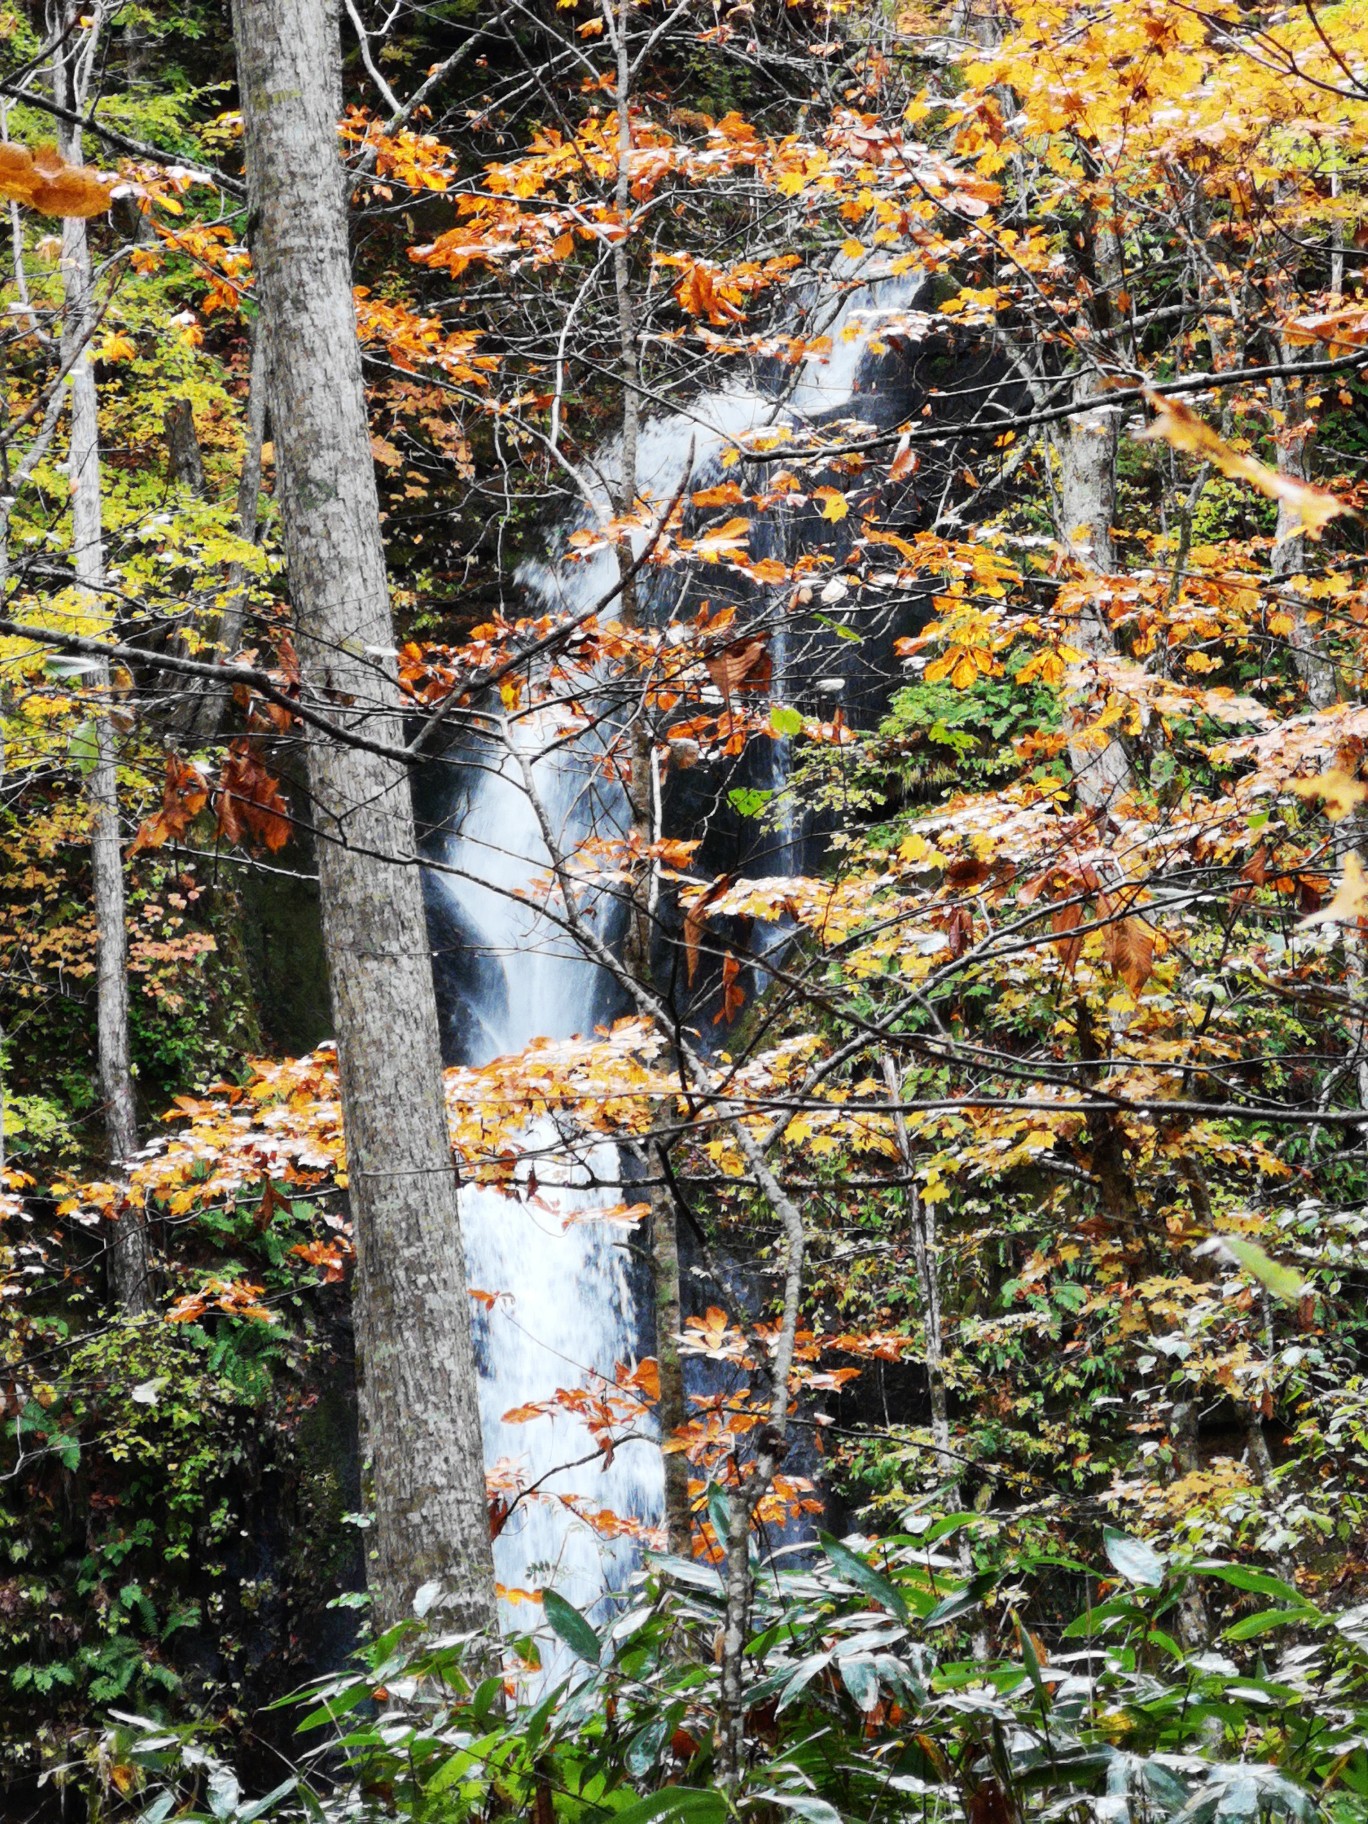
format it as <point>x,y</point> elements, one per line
<point>647,1745</point>
<point>69,665</point>
<point>223,1791</point>
<point>960,1602</point>
<point>83,749</point>
<point>463,1766</point>
<point>816,1811</point>
<point>841,631</point>
<point>690,1802</point>
<point>573,1629</point>
<point>864,1576</point>
<point>748,801</point>
<point>1242,1577</point>
<point>1031,1660</point>
<point>958,738</point>
<point>719,1511</point>
<point>259,1807</point>
<point>803,1675</point>
<point>1278,1281</point>
<point>1136,1561</point>
<point>861,1680</point>
<point>1268,1619</point>
<point>785,721</point>
<point>338,1703</point>
<point>689,1571</point>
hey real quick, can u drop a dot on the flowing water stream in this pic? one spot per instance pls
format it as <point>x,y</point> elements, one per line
<point>573,1303</point>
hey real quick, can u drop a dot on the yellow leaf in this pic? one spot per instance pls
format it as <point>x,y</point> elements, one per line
<point>1351,898</point>
<point>834,503</point>
<point>1179,426</point>
<point>1341,793</point>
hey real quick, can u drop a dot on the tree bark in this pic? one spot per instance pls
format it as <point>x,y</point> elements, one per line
<point>668,1324</point>
<point>418,1383</point>
<point>129,1275</point>
<point>1288,562</point>
<point>1087,499</point>
<point>184,461</point>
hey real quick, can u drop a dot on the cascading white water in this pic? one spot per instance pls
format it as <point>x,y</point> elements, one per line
<point>568,1312</point>
<point>566,1309</point>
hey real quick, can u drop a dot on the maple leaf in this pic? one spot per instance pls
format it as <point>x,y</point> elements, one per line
<point>725,494</point>
<point>1179,426</point>
<point>834,505</point>
<point>697,293</point>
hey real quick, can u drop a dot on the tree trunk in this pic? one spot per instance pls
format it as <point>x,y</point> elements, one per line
<point>418,1384</point>
<point>128,1264</point>
<point>184,462</point>
<point>668,1324</point>
<point>1288,563</point>
<point>1087,498</point>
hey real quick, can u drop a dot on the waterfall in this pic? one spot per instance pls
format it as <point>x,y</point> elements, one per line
<point>572,1304</point>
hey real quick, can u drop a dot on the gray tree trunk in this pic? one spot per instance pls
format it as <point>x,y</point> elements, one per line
<point>418,1385</point>
<point>128,1264</point>
<point>672,1409</point>
<point>184,460</point>
<point>1087,499</point>
<point>1288,562</point>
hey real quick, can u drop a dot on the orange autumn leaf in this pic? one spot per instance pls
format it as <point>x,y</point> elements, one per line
<point>698,294</point>
<point>737,665</point>
<point>723,541</point>
<point>1127,945</point>
<point>251,807</point>
<point>41,178</point>
<point>725,494</point>
<point>185,792</point>
<point>733,996</point>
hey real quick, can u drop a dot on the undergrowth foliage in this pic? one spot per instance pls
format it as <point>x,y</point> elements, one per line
<point>861,1700</point>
